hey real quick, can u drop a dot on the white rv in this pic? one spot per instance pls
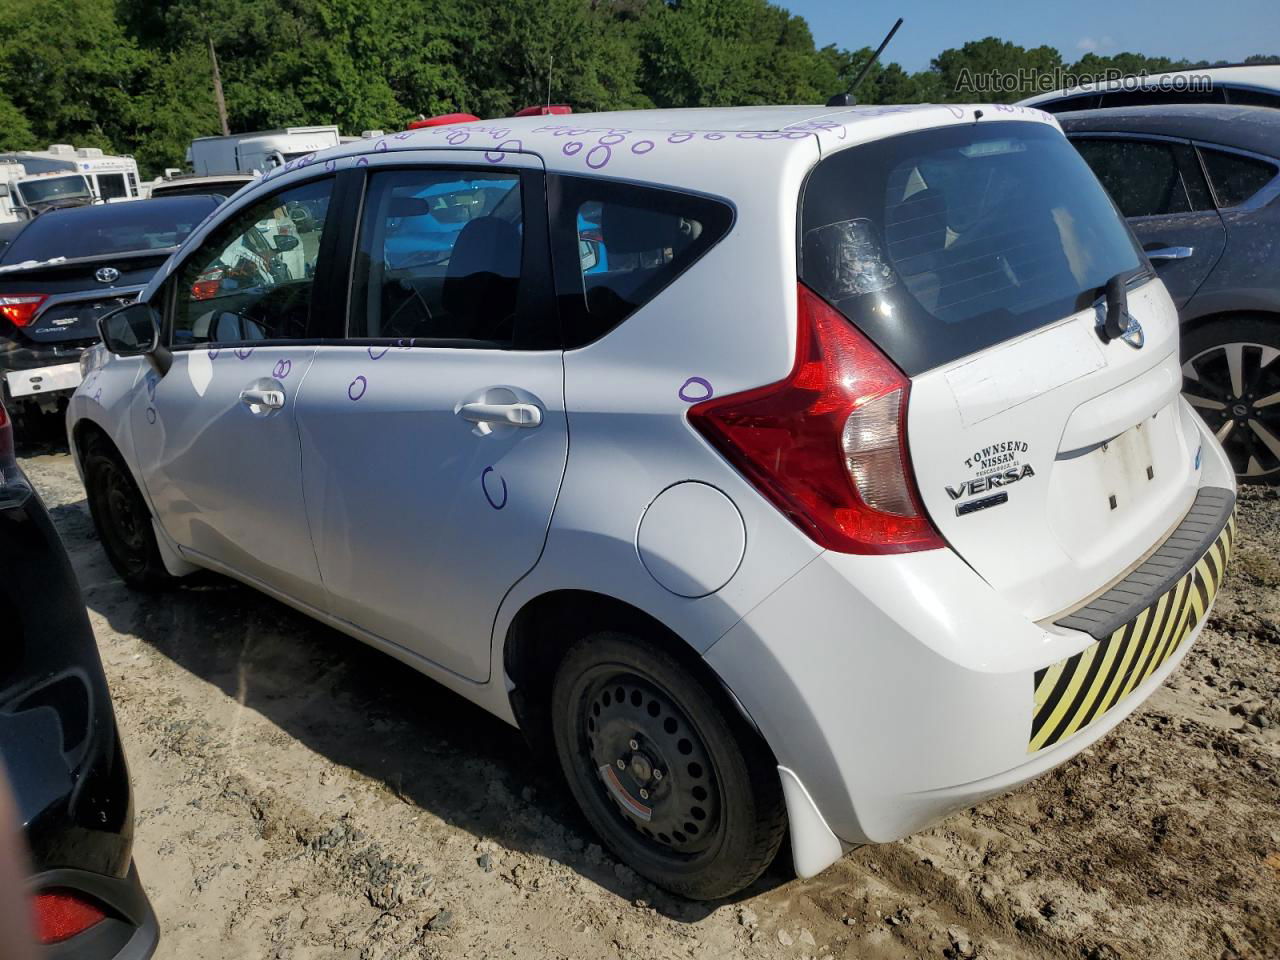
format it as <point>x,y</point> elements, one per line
<point>109,177</point>
<point>24,192</point>
<point>259,151</point>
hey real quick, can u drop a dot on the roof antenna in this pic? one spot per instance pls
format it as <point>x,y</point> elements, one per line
<point>848,99</point>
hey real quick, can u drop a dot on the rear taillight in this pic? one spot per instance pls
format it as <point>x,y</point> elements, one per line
<point>61,915</point>
<point>206,285</point>
<point>827,445</point>
<point>20,308</point>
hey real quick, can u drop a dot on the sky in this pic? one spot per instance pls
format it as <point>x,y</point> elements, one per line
<point>1230,30</point>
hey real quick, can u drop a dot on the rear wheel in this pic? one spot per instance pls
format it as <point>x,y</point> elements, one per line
<point>676,785</point>
<point>123,522</point>
<point>1231,375</point>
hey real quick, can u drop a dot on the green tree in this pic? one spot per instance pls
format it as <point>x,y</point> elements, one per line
<point>992,70</point>
<point>15,132</point>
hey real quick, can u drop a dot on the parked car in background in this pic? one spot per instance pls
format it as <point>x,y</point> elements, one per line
<point>881,497</point>
<point>189,184</point>
<point>1200,185</point>
<point>1256,85</point>
<point>59,745</point>
<point>64,270</point>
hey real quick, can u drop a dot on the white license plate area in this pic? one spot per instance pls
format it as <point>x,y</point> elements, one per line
<point>26,383</point>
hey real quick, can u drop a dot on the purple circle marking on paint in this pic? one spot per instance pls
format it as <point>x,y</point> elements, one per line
<point>706,392</point>
<point>456,137</point>
<point>484,486</point>
<point>641,147</point>
<point>380,147</point>
<point>330,164</point>
<point>362,162</point>
<point>500,154</point>
<point>151,414</point>
<point>97,395</point>
<point>713,136</point>
<point>357,388</point>
<point>681,137</point>
<point>282,369</point>
<point>611,139</point>
<point>572,148</point>
<point>213,352</point>
<point>244,353</point>
<point>379,355</point>
<point>602,153</point>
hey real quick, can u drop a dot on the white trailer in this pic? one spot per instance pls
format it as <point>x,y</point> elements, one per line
<point>259,151</point>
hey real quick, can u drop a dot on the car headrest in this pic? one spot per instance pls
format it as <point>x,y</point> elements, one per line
<point>637,230</point>
<point>486,245</point>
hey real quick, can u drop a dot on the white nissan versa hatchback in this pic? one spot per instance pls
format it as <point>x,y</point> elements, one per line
<point>779,468</point>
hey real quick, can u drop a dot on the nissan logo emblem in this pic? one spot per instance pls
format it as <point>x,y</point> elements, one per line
<point>107,275</point>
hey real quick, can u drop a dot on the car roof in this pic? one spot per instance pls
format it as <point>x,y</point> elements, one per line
<point>688,146</point>
<point>1256,129</point>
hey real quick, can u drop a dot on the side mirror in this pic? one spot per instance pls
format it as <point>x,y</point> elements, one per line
<point>284,242</point>
<point>134,331</point>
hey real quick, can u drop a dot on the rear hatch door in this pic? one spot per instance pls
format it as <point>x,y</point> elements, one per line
<point>975,257</point>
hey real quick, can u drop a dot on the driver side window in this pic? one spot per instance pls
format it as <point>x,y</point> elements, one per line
<point>252,278</point>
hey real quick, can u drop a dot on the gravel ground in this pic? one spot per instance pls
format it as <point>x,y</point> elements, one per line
<point>301,796</point>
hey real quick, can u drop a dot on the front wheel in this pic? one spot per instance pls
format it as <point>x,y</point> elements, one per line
<point>678,786</point>
<point>122,520</point>
<point>1231,375</point>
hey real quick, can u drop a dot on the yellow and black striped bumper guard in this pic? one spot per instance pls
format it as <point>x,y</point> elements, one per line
<point>1072,693</point>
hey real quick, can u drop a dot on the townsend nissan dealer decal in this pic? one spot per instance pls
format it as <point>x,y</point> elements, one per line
<point>997,466</point>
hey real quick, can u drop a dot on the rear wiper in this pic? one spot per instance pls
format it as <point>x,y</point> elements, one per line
<point>1118,321</point>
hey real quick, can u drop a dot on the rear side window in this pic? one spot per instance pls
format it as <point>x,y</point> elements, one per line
<point>617,245</point>
<point>1141,176</point>
<point>944,242</point>
<point>1236,178</point>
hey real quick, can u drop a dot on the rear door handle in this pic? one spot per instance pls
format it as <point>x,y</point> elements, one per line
<point>511,414</point>
<point>1170,253</point>
<point>262,397</point>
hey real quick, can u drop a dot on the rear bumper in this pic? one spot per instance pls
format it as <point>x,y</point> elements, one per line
<point>898,690</point>
<point>130,932</point>
<point>58,366</point>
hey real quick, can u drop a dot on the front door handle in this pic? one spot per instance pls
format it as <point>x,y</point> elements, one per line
<point>510,414</point>
<point>263,397</point>
<point>1170,253</point>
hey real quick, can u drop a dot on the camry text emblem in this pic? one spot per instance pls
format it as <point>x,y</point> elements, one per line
<point>107,275</point>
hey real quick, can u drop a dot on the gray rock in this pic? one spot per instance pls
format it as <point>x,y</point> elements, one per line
<point>441,921</point>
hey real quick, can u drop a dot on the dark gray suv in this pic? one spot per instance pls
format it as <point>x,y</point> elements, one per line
<point>1199,184</point>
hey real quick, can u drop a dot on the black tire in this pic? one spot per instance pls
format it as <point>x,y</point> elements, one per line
<point>122,520</point>
<point>1249,348</point>
<point>714,800</point>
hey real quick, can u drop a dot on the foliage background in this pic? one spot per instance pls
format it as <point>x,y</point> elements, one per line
<point>133,76</point>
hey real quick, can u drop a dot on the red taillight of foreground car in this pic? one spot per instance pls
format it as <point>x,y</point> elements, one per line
<point>828,444</point>
<point>20,308</point>
<point>61,915</point>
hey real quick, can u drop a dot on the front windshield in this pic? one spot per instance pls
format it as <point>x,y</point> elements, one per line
<point>47,189</point>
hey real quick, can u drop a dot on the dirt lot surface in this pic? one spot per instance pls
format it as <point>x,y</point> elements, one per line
<point>299,795</point>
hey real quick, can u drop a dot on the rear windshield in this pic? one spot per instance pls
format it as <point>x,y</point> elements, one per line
<point>109,228</point>
<point>941,243</point>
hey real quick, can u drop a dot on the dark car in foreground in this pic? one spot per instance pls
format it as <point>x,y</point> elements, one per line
<point>1200,186</point>
<point>64,270</point>
<point>59,745</point>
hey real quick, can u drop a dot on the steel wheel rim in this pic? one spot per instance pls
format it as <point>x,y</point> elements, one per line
<point>1235,387</point>
<point>124,522</point>
<point>645,742</point>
